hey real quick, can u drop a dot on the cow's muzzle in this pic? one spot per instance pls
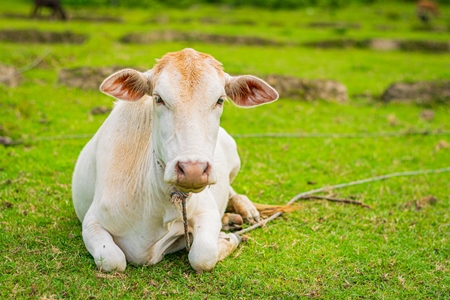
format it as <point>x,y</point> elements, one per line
<point>192,176</point>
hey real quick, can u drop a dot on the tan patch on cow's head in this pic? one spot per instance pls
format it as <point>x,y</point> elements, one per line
<point>191,65</point>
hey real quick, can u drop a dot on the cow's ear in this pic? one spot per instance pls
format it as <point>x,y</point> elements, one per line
<point>127,84</point>
<point>249,90</point>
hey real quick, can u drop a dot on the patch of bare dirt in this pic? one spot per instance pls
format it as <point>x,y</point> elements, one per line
<point>11,15</point>
<point>90,78</point>
<point>36,36</point>
<point>384,44</point>
<point>178,36</point>
<point>442,144</point>
<point>429,28</point>
<point>244,22</point>
<point>336,25</point>
<point>9,76</point>
<point>6,141</point>
<point>425,46</point>
<point>427,114</point>
<point>422,202</point>
<point>338,43</point>
<point>18,16</point>
<point>100,110</point>
<point>422,92</point>
<point>384,27</point>
<point>277,23</point>
<point>76,17</point>
<point>309,90</point>
<point>165,19</point>
<point>87,78</point>
<point>96,19</point>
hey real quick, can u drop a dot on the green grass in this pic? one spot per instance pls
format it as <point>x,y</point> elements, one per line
<point>324,250</point>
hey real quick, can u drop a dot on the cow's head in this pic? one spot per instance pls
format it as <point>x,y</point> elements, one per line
<point>188,90</point>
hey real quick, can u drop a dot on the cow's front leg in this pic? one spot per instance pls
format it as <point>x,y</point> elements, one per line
<point>227,244</point>
<point>210,245</point>
<point>99,242</point>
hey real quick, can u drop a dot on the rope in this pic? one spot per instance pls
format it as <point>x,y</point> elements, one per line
<point>178,197</point>
<point>29,66</point>
<point>53,138</point>
<point>342,185</point>
<point>268,135</point>
<point>175,198</point>
<point>341,135</point>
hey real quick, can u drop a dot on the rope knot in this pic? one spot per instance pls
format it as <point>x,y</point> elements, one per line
<point>176,197</point>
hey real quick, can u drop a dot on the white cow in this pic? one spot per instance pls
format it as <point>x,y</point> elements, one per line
<point>163,135</point>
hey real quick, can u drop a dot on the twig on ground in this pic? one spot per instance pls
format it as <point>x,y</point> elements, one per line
<point>10,181</point>
<point>347,201</point>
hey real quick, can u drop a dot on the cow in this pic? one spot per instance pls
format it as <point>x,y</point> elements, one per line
<point>54,5</point>
<point>426,10</point>
<point>164,136</point>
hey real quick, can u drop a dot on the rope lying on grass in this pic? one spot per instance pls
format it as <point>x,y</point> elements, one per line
<point>263,135</point>
<point>28,67</point>
<point>342,135</point>
<point>338,186</point>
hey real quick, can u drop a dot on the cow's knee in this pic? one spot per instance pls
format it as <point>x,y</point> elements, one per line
<point>99,242</point>
<point>109,257</point>
<point>204,257</point>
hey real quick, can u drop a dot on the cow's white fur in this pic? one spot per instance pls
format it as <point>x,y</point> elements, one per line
<point>125,174</point>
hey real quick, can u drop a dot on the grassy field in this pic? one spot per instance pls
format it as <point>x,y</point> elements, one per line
<point>397,250</point>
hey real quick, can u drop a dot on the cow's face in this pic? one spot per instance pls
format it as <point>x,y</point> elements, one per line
<point>188,90</point>
<point>188,94</point>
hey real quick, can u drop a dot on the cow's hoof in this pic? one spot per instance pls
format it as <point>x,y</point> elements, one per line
<point>231,222</point>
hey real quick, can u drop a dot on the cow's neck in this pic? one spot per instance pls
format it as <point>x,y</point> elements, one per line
<point>142,152</point>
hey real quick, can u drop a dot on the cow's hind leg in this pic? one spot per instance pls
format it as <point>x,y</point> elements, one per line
<point>99,242</point>
<point>232,222</point>
<point>240,204</point>
<point>251,212</point>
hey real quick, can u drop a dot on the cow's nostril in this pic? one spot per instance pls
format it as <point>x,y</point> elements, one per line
<point>207,169</point>
<point>179,169</point>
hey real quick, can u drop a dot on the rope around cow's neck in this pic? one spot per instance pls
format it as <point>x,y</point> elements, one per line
<point>177,198</point>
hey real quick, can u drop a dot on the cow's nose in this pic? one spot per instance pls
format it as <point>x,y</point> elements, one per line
<point>192,174</point>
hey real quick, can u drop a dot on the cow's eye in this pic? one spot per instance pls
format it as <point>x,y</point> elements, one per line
<point>158,99</point>
<point>220,101</point>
